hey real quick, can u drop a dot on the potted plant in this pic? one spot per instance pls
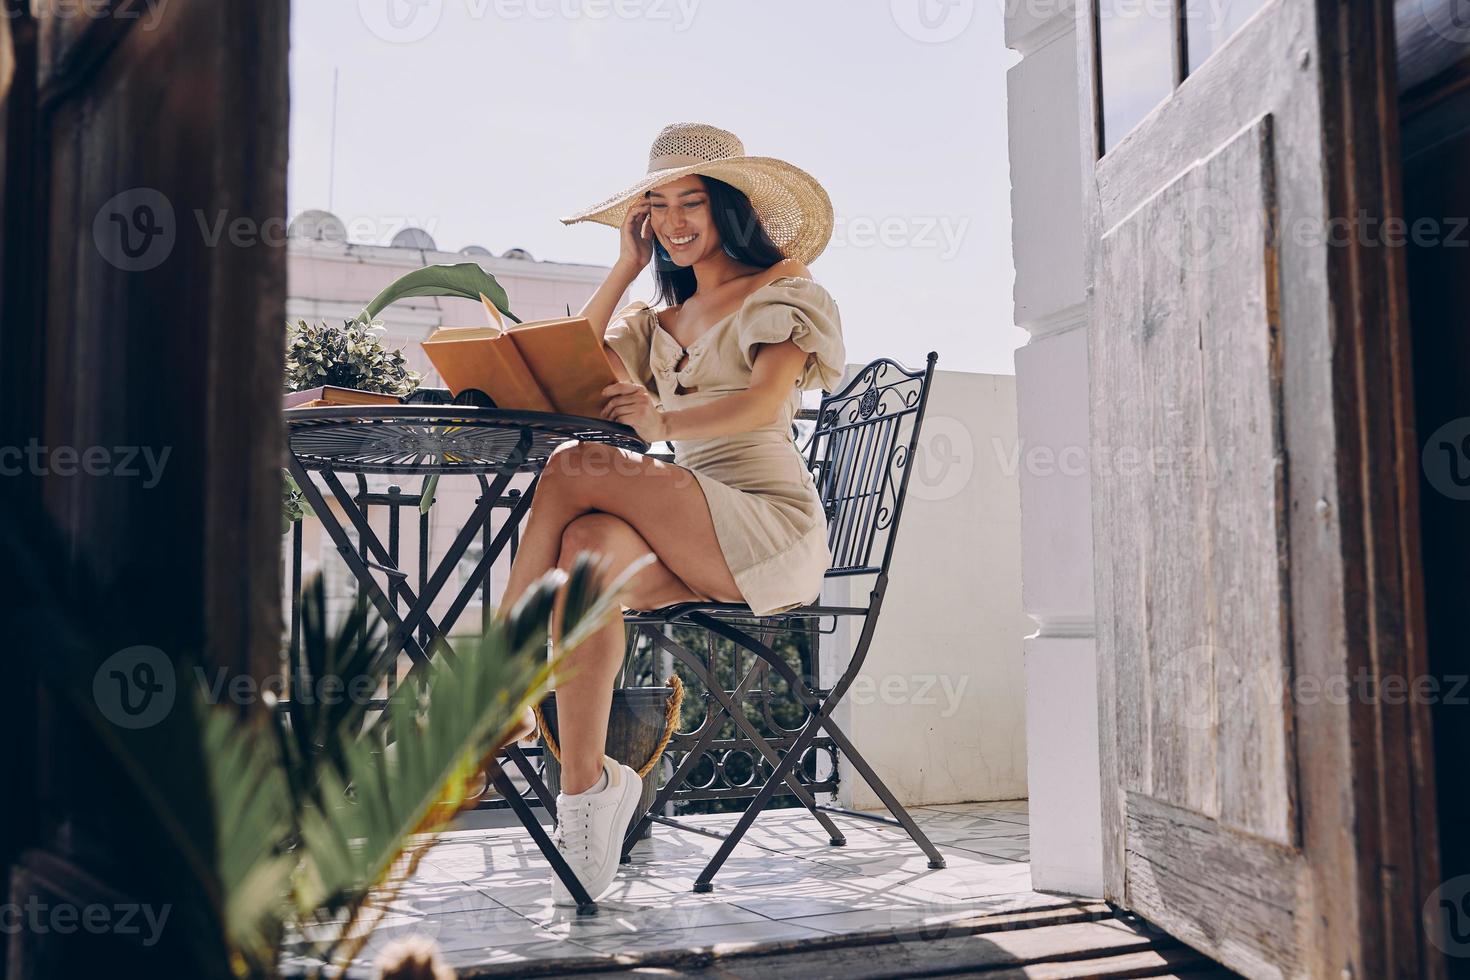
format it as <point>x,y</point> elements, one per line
<point>639,726</point>
<point>289,818</point>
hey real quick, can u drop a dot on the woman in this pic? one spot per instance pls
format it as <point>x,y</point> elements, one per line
<point>717,372</point>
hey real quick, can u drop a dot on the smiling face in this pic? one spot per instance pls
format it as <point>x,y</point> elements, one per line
<point>681,218</point>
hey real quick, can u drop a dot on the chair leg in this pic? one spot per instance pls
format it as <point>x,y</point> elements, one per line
<point>705,881</point>
<point>820,720</point>
<point>850,752</point>
<point>808,698</point>
<point>835,836</point>
<point>503,785</point>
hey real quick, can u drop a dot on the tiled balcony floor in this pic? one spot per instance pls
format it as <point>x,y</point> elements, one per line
<point>484,895</point>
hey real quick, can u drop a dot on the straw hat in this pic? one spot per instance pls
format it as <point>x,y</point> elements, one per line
<point>792,207</point>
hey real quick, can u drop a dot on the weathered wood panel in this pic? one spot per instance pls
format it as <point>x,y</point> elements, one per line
<point>1236,305</point>
<point>1189,285</point>
<point>1215,888</point>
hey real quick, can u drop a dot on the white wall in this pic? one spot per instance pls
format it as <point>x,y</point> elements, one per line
<point>937,710</point>
<point>1055,488</point>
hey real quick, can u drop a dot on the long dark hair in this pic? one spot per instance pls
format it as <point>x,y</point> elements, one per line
<point>741,233</point>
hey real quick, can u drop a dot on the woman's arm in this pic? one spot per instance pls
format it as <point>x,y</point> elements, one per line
<point>635,250</point>
<point>600,308</point>
<point>774,373</point>
<point>604,303</point>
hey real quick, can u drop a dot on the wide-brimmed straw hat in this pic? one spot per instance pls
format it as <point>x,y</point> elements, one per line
<point>792,207</point>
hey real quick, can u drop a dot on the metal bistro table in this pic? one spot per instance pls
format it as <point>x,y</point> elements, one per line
<point>490,444</point>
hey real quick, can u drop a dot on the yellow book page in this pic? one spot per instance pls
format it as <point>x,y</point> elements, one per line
<point>566,357</point>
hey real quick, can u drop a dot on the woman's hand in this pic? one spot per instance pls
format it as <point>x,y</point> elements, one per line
<point>633,405</point>
<point>635,249</point>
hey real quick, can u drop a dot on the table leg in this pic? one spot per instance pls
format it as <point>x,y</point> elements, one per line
<point>343,543</point>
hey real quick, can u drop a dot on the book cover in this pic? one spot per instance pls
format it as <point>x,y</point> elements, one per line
<point>555,365</point>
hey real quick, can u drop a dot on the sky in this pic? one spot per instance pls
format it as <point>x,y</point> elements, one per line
<point>484,121</point>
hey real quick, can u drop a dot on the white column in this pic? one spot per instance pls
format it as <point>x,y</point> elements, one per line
<point>1052,417</point>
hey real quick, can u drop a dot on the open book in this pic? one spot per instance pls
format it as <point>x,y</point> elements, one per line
<point>543,366</point>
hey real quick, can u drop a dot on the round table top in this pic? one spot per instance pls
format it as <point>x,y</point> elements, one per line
<point>412,439</point>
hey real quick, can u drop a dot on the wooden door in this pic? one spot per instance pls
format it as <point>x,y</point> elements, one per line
<point>142,293</point>
<point>1254,497</point>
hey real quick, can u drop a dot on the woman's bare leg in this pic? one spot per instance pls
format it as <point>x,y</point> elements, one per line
<point>584,689</point>
<point>621,505</point>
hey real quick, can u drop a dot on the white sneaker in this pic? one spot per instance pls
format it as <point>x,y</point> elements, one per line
<point>590,828</point>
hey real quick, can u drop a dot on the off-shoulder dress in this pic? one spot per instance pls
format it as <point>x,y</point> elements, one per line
<point>767,515</point>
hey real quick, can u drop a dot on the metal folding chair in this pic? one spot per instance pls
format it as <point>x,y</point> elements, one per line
<point>860,454</point>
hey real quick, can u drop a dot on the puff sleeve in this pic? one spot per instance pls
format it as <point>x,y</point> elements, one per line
<point>630,335</point>
<point>801,311</point>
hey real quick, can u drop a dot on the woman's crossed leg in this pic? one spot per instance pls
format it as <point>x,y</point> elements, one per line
<point>593,497</point>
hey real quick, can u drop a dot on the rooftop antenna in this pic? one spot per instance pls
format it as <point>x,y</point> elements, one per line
<point>332,159</point>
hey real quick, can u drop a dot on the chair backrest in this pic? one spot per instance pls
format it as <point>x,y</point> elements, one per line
<point>860,450</point>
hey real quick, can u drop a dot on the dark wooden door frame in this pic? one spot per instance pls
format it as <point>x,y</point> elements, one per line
<point>1355,589</point>
<point>19,402</point>
<point>192,102</point>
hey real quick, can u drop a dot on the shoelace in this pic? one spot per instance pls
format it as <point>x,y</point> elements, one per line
<point>572,821</point>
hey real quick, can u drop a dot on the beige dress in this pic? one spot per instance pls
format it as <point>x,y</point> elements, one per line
<point>767,515</point>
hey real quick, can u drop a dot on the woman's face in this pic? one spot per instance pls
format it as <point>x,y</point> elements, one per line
<point>681,218</point>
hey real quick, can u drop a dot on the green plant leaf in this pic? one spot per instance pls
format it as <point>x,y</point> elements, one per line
<point>464,281</point>
<point>253,814</point>
<point>387,805</point>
